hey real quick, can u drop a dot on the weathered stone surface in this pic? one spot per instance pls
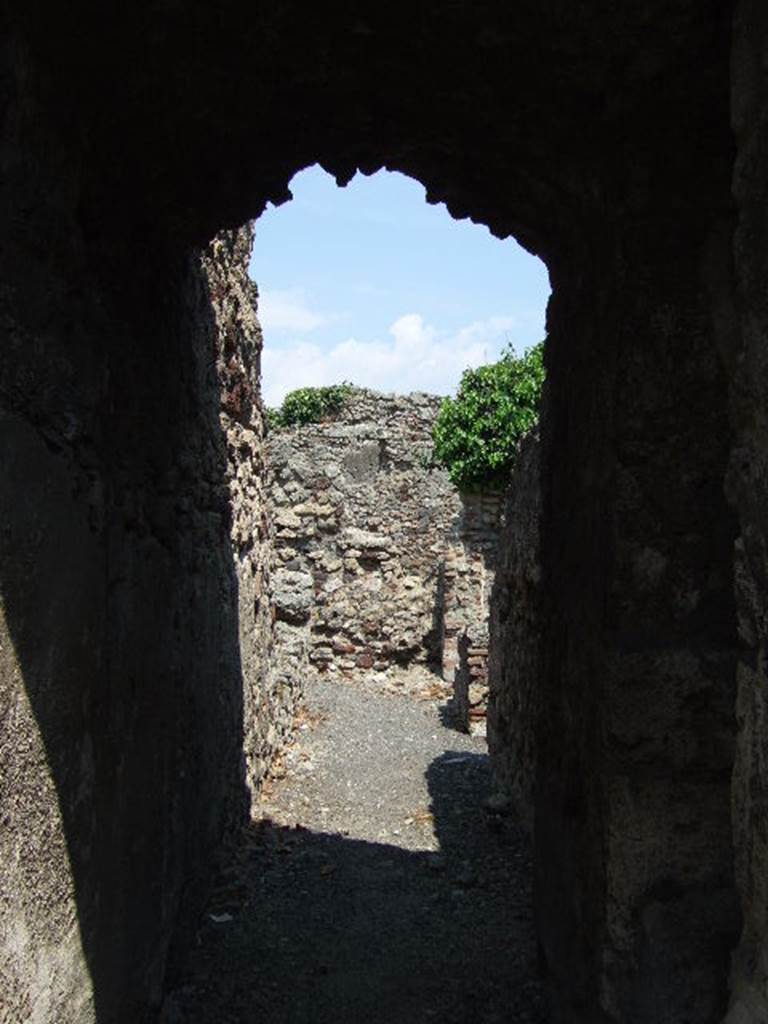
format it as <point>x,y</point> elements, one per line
<point>598,134</point>
<point>384,563</point>
<point>468,575</point>
<point>515,637</point>
<point>293,594</point>
<point>135,602</point>
<point>744,330</point>
<point>635,746</point>
<point>269,696</point>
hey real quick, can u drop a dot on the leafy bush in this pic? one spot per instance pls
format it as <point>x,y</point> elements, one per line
<point>310,405</point>
<point>476,434</point>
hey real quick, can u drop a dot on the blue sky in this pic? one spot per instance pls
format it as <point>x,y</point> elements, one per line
<point>371,284</point>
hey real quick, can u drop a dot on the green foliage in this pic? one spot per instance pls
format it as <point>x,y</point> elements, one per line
<point>273,418</point>
<point>310,405</point>
<point>476,434</point>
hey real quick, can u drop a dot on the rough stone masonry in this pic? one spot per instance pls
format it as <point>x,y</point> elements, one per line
<point>269,696</point>
<point>624,144</point>
<point>68,859</point>
<point>382,563</point>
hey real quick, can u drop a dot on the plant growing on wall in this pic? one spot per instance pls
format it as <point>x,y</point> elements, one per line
<point>310,405</point>
<point>476,433</point>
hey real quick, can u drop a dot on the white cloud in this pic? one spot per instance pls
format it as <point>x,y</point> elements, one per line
<point>416,357</point>
<point>287,310</point>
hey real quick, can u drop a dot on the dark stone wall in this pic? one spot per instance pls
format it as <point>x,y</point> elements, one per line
<point>514,671</point>
<point>599,135</point>
<point>744,335</point>
<point>269,696</point>
<point>614,647</point>
<point>121,695</point>
<point>635,741</point>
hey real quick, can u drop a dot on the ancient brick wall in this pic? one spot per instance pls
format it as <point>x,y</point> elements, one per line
<point>382,564</point>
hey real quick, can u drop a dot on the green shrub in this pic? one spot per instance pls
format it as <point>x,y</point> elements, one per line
<point>273,418</point>
<point>310,405</point>
<point>476,434</point>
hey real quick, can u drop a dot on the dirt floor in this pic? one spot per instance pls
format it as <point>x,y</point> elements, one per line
<point>373,885</point>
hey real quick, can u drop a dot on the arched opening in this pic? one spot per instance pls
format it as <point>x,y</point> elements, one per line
<point>341,271</point>
<point>376,869</point>
<point>371,284</point>
<point>561,127</point>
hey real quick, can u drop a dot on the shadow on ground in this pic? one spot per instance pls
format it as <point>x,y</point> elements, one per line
<point>315,927</point>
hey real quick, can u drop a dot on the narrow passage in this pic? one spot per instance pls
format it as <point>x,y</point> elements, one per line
<point>373,886</point>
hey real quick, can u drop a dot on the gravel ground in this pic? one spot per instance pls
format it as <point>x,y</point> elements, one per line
<point>373,885</point>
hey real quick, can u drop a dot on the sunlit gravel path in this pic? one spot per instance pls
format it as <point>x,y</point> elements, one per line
<point>373,886</point>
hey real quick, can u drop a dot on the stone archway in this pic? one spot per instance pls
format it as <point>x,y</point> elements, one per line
<point>601,139</point>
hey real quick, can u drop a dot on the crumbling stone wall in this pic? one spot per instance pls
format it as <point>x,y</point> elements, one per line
<point>360,527</point>
<point>469,570</point>
<point>382,563</point>
<point>269,695</point>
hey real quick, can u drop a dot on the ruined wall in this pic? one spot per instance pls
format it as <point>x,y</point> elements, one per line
<point>744,330</point>
<point>383,564</point>
<point>360,527</point>
<point>269,695</point>
<point>125,615</point>
<point>514,683</point>
<point>468,575</point>
<point>598,134</point>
